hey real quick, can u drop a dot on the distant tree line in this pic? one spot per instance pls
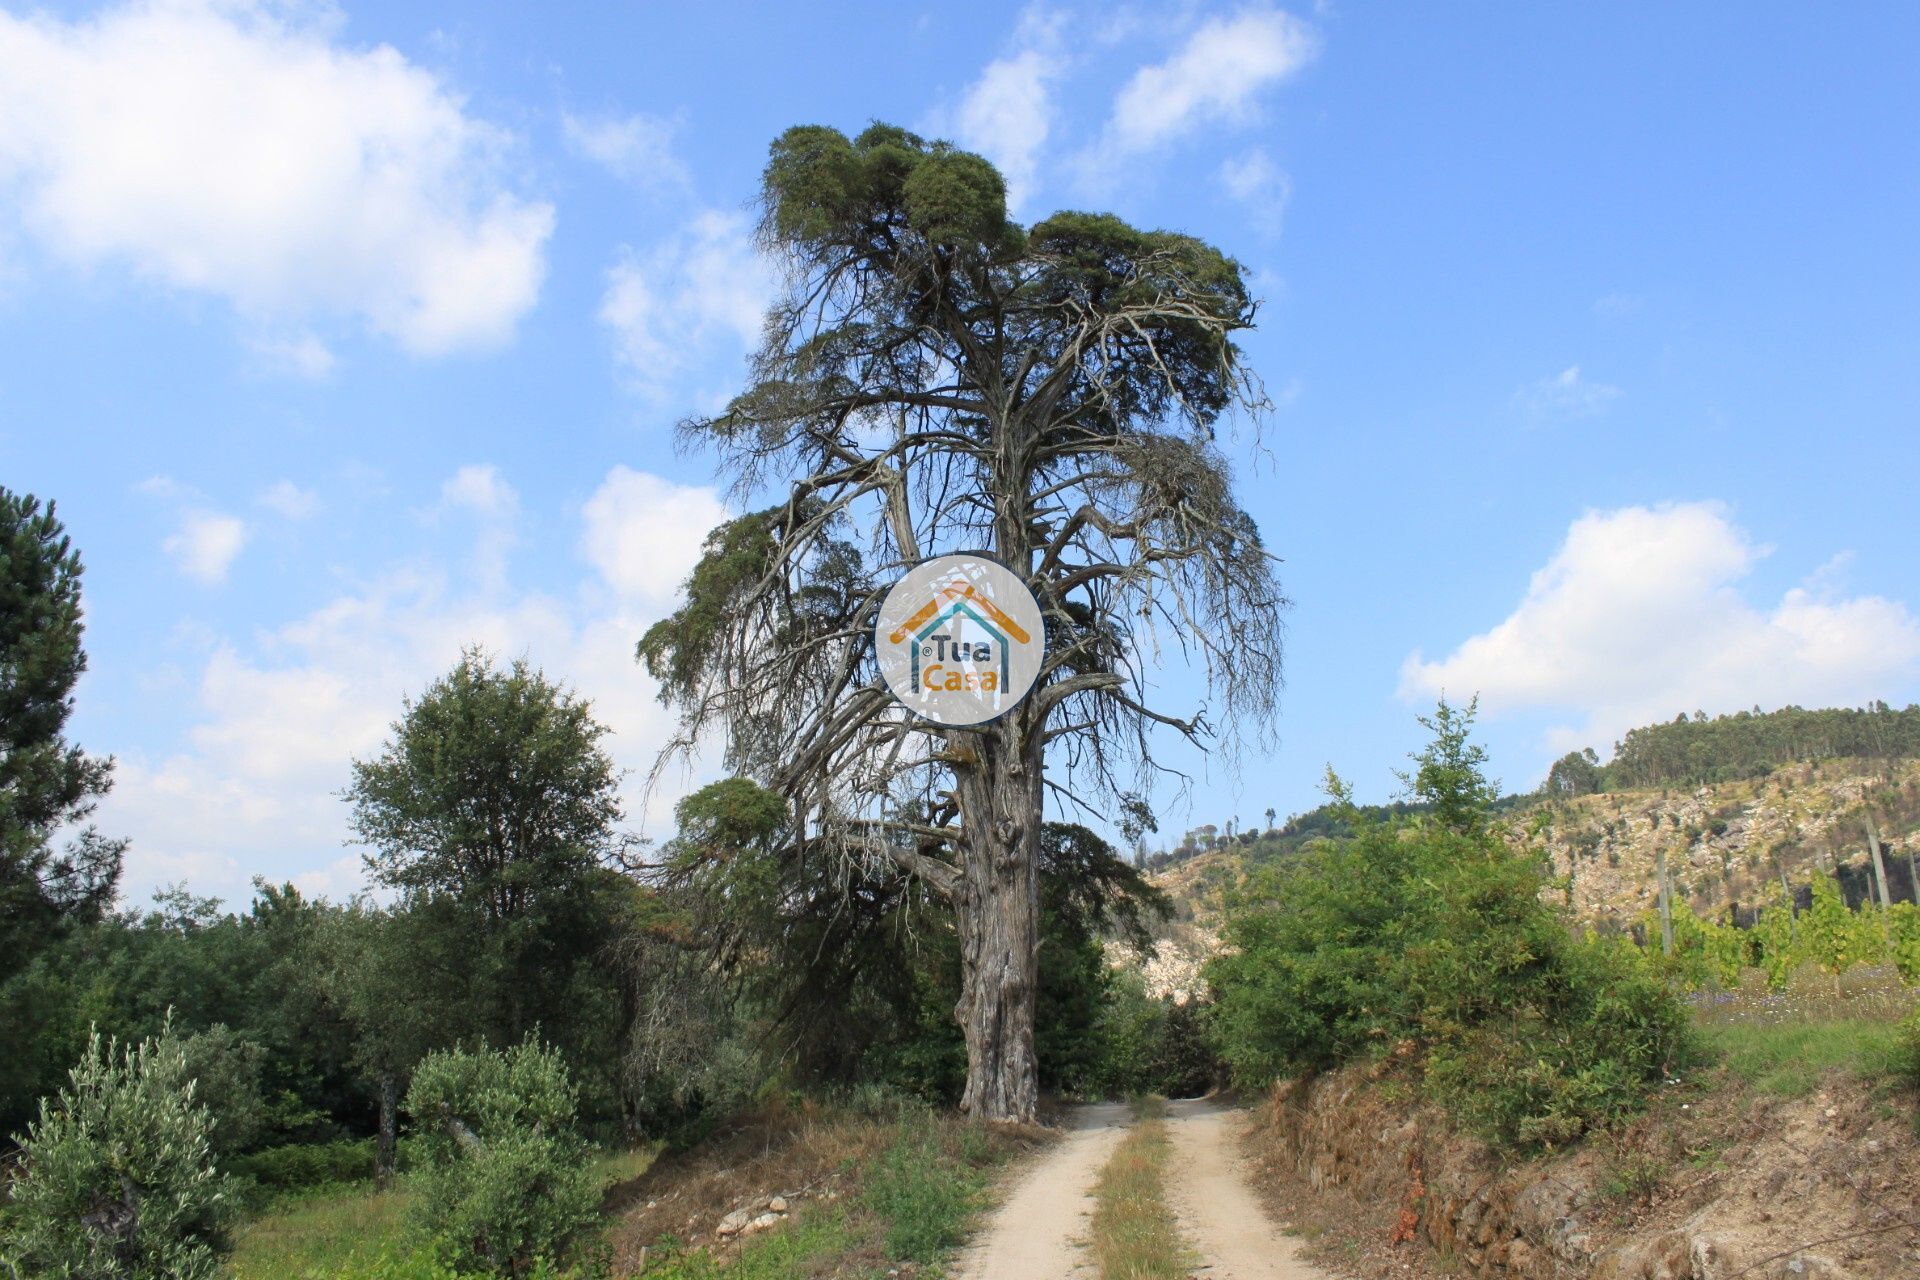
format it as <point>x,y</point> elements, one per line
<point>1698,749</point>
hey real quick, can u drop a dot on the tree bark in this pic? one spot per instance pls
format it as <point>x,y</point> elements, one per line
<point>383,1152</point>
<point>1879,862</point>
<point>997,906</point>
<point>1666,900</point>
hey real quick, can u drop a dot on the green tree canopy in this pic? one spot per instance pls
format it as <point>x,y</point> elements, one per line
<point>492,809</point>
<point>46,782</point>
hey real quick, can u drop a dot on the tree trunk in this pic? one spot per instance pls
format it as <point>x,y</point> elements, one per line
<point>997,906</point>
<point>384,1150</point>
<point>1879,862</point>
<point>1666,900</point>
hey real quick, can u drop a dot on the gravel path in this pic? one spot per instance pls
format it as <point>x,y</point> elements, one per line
<point>1039,1230</point>
<point>1218,1212</point>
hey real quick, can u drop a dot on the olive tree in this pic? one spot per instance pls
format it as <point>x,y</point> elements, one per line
<point>937,378</point>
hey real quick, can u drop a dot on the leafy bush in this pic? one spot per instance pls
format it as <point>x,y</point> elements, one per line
<point>1143,1044</point>
<point>310,1164</point>
<point>225,1068</point>
<point>1431,935</point>
<point>504,1182</point>
<point>1906,1054</point>
<point>117,1174</point>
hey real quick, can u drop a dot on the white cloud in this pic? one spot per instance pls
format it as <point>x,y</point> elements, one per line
<point>1639,616</point>
<point>635,148</point>
<point>300,356</point>
<point>1007,114</point>
<point>290,501</point>
<point>205,545</point>
<point>236,148</point>
<point>1614,306</point>
<point>703,293</point>
<point>643,533</point>
<point>479,490</point>
<point>1566,394</point>
<point>281,713</point>
<point>1256,181</point>
<point>1218,74</point>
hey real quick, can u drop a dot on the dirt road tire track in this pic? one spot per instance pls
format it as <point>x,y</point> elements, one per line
<point>1214,1202</point>
<point>1038,1230</point>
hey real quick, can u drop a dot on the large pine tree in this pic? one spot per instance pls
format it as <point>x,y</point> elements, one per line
<point>938,378</point>
<point>47,785</point>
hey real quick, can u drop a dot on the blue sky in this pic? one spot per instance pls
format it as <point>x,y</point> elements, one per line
<point>346,336</point>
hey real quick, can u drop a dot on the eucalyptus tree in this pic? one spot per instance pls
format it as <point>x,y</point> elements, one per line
<point>936,378</point>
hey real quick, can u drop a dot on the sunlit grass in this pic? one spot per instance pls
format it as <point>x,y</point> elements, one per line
<point>320,1232</point>
<point>1135,1236</point>
<point>1782,1042</point>
<point>329,1229</point>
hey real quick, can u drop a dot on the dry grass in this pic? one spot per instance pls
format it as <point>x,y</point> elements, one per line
<point>1134,1233</point>
<point>893,1186</point>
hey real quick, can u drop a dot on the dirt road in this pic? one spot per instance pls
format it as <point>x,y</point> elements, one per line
<point>1039,1229</point>
<point>1217,1210</point>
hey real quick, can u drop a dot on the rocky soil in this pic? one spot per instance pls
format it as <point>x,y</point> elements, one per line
<point>1714,1183</point>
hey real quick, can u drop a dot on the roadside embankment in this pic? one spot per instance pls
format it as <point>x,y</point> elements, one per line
<point>1718,1180</point>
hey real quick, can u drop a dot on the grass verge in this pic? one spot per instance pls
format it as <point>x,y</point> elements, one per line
<point>870,1190</point>
<point>351,1229</point>
<point>1788,1059</point>
<point>1135,1236</point>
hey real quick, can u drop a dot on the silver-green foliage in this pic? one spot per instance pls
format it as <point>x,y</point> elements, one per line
<point>117,1176</point>
<point>504,1184</point>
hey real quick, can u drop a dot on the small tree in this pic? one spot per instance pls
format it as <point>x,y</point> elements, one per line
<point>1452,770</point>
<point>491,809</point>
<point>117,1174</point>
<point>506,1183</point>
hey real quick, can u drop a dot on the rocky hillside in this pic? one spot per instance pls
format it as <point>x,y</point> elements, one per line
<point>1728,845</point>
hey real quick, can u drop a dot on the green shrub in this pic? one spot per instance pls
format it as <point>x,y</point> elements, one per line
<point>310,1164</point>
<point>225,1068</point>
<point>504,1180</point>
<point>1906,1053</point>
<point>1431,932</point>
<point>117,1176</point>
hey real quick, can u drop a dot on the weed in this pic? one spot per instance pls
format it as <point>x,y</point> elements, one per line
<point>1134,1233</point>
<point>1633,1175</point>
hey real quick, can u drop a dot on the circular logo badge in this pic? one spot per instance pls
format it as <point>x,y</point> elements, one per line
<point>960,639</point>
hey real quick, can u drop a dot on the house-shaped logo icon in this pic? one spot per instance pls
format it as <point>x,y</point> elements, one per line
<point>958,600</point>
<point>960,639</point>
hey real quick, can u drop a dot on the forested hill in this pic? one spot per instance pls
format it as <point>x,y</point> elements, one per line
<point>1697,749</point>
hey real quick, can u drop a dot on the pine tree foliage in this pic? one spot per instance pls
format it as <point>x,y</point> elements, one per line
<point>46,782</point>
<point>937,378</point>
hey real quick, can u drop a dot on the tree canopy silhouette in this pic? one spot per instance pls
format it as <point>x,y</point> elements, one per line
<point>937,378</point>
